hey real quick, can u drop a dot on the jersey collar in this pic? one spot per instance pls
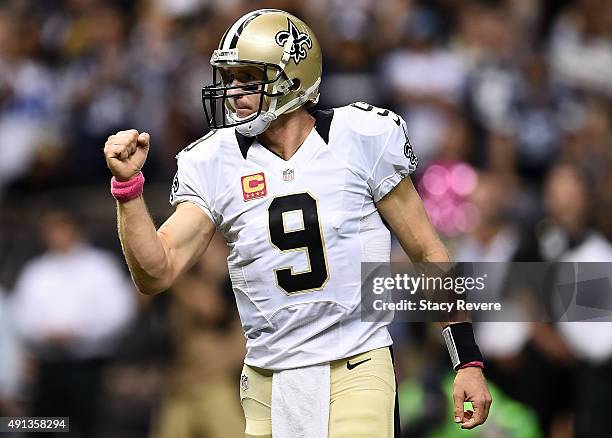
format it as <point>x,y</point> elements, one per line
<point>323,119</point>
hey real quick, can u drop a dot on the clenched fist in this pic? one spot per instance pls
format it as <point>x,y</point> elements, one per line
<point>126,153</point>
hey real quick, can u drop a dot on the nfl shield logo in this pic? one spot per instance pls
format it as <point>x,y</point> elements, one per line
<point>288,175</point>
<point>244,382</point>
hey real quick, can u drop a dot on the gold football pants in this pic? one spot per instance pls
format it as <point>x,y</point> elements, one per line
<point>362,398</point>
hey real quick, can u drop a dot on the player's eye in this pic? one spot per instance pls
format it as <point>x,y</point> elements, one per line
<point>227,77</point>
<point>242,77</point>
<point>252,87</point>
<point>246,77</point>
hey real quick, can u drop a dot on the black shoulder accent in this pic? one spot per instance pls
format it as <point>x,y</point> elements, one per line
<point>323,119</point>
<point>244,143</point>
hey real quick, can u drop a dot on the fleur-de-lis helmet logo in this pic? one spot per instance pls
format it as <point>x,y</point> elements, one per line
<point>298,52</point>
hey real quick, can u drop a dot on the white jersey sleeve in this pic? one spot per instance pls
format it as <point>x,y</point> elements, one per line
<point>190,183</point>
<point>396,160</point>
<point>386,152</point>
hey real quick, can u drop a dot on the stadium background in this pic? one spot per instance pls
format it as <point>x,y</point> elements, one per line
<point>508,104</point>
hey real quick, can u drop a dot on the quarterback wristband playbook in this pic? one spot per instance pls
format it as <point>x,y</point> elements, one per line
<point>461,346</point>
<point>124,191</point>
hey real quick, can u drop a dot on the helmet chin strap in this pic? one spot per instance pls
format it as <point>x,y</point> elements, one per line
<point>256,126</point>
<point>263,120</point>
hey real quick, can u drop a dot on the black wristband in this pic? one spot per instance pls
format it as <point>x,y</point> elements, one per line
<point>461,344</point>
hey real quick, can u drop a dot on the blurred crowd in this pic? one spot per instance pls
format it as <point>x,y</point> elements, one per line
<point>509,109</point>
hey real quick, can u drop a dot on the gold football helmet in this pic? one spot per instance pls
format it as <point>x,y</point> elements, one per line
<point>285,51</point>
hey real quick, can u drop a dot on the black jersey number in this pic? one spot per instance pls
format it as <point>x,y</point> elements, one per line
<point>308,237</point>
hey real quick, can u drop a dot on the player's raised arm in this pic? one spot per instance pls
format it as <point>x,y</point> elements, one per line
<point>155,257</point>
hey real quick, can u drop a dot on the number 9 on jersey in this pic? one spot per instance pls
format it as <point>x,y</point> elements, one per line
<point>308,237</point>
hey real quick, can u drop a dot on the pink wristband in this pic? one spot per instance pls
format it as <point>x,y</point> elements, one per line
<point>124,191</point>
<point>476,364</point>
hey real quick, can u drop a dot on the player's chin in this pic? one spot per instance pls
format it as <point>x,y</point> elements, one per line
<point>244,112</point>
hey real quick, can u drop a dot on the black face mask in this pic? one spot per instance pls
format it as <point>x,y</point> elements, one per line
<point>215,98</point>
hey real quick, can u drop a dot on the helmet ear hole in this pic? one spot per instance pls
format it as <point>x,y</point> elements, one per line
<point>295,85</point>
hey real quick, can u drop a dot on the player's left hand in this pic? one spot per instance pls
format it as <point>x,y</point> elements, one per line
<point>471,386</point>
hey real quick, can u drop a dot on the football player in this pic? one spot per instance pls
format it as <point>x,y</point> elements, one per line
<point>300,197</point>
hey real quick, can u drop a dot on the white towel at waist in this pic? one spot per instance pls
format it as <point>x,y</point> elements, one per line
<point>300,402</point>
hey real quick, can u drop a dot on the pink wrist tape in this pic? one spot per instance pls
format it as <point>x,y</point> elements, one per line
<point>476,364</point>
<point>124,191</point>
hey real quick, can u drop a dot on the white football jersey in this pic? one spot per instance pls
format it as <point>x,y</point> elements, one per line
<point>299,229</point>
